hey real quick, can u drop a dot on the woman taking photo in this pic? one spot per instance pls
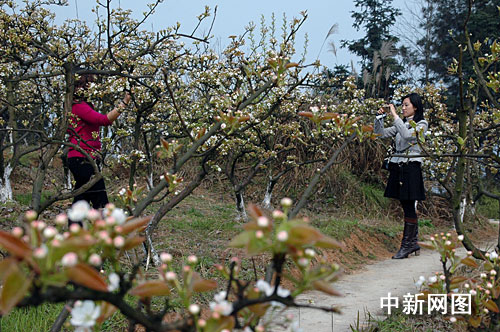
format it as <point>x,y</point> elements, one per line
<point>84,131</point>
<point>405,178</point>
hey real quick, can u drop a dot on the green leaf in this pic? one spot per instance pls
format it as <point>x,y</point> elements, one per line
<point>151,288</point>
<point>14,289</point>
<point>87,276</point>
<point>14,246</point>
<point>492,306</point>
<point>469,262</point>
<point>241,240</point>
<point>198,284</point>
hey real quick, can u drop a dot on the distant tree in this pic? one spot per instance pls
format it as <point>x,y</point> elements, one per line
<point>375,17</point>
<point>442,23</point>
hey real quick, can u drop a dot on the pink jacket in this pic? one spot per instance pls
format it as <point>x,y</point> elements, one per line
<point>84,131</point>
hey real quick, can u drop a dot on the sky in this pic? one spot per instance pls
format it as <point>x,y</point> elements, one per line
<point>234,15</point>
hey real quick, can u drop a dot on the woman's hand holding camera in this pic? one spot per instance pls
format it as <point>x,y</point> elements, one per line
<point>388,109</point>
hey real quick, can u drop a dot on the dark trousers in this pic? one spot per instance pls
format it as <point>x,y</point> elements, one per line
<point>409,210</point>
<point>82,171</point>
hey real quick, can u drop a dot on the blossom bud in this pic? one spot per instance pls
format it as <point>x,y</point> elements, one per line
<point>95,260</point>
<point>61,219</point>
<point>40,225</point>
<point>286,202</point>
<point>310,252</point>
<point>74,228</point>
<point>259,234</point>
<point>30,215</point>
<point>282,236</point>
<point>110,207</point>
<point>277,214</point>
<point>432,238</point>
<point>69,260</point>
<point>17,232</point>
<point>453,319</point>
<point>194,309</point>
<point>263,221</point>
<point>202,323</point>
<point>472,292</point>
<point>103,235</point>
<point>303,262</point>
<point>119,241</point>
<point>40,252</point>
<point>460,238</point>
<point>171,276</point>
<point>493,272</point>
<point>93,215</point>
<point>165,257</point>
<point>192,259</point>
<point>110,221</point>
<point>448,243</point>
<point>49,232</point>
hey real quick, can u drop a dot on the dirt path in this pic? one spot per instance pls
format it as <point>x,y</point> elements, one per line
<point>363,290</point>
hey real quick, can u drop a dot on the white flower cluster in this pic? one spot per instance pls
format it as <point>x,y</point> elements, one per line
<point>220,305</point>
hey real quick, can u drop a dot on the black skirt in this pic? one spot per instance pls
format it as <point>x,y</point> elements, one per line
<point>405,182</point>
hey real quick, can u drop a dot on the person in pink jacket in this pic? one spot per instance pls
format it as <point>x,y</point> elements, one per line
<point>84,131</point>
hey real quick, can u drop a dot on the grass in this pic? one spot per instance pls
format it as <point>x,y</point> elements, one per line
<point>39,319</point>
<point>489,207</point>
<point>25,199</point>
<point>337,228</point>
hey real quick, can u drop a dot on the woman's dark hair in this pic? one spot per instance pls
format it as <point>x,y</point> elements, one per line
<point>416,101</point>
<point>81,84</point>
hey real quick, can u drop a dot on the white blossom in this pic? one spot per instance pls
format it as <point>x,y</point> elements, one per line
<point>84,314</point>
<point>114,282</point>
<point>79,211</point>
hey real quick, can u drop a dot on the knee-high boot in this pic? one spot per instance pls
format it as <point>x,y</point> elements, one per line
<point>409,243</point>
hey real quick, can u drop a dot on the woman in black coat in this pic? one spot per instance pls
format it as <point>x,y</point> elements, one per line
<point>405,178</point>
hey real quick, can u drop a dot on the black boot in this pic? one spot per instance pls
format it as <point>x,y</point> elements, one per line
<point>414,242</point>
<point>409,243</point>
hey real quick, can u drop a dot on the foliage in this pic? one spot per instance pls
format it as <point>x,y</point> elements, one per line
<point>481,281</point>
<point>49,265</point>
<point>445,33</point>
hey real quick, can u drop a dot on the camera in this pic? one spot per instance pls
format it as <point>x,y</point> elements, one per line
<point>386,108</point>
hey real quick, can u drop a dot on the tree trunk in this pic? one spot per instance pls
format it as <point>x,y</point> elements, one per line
<point>5,186</point>
<point>266,202</point>
<point>241,213</point>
